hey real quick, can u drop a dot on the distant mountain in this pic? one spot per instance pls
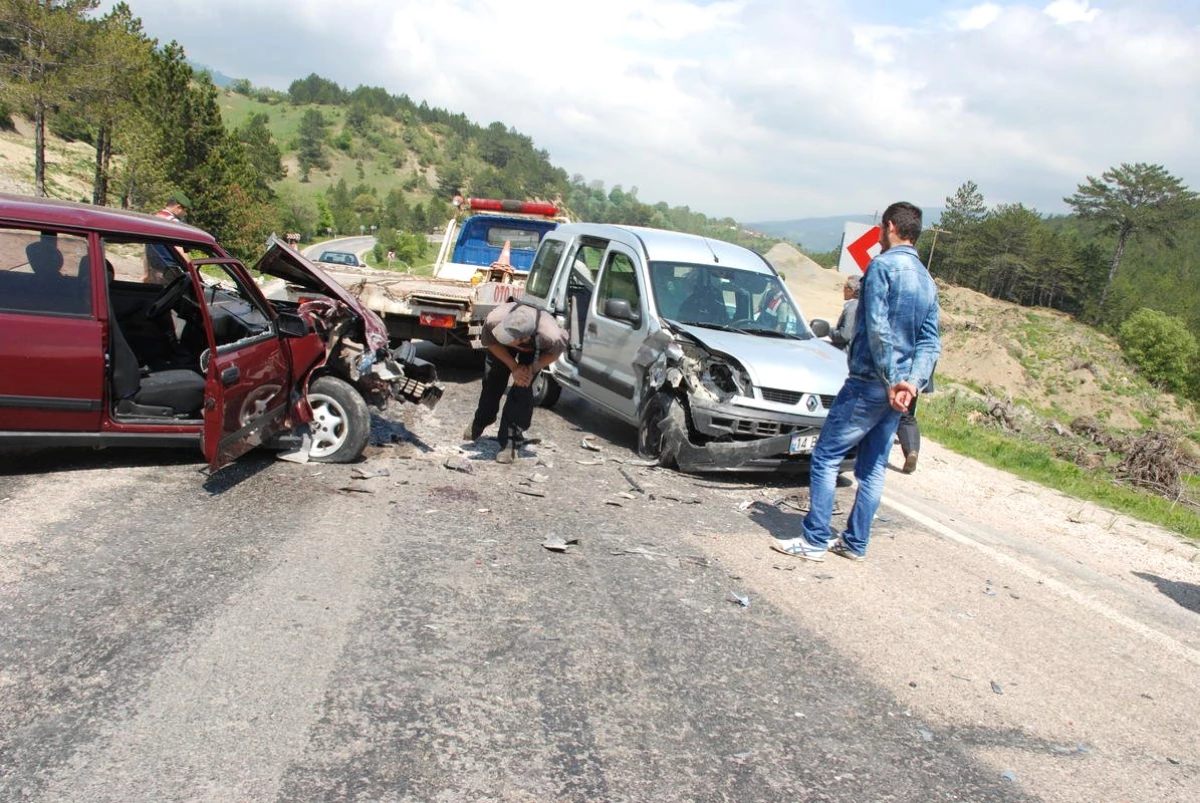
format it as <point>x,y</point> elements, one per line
<point>218,78</point>
<point>820,234</point>
<point>814,234</point>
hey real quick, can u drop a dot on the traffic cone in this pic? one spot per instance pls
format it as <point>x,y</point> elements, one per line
<point>505,257</point>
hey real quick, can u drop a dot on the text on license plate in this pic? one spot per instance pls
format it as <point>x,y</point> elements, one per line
<point>802,444</point>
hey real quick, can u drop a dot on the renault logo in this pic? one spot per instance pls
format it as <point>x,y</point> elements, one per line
<point>812,402</point>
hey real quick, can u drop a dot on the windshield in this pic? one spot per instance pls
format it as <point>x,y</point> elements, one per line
<point>713,295</point>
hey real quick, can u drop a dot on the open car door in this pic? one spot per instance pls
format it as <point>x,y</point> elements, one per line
<point>248,374</point>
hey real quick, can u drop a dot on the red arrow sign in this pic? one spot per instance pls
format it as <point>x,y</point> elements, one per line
<point>859,248</point>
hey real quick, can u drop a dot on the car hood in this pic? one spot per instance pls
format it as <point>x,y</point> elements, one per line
<point>808,366</point>
<point>284,262</point>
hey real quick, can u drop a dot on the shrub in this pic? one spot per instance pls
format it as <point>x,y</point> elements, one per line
<point>1160,346</point>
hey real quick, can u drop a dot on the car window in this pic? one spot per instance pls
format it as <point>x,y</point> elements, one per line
<point>45,273</point>
<point>519,239</point>
<point>541,274</point>
<point>235,312</point>
<point>618,280</point>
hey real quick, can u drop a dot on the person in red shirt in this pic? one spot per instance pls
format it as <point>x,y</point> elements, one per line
<point>176,207</point>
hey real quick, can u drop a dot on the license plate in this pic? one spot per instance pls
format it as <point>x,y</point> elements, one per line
<point>802,444</point>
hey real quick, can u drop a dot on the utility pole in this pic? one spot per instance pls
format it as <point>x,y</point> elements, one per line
<point>936,231</point>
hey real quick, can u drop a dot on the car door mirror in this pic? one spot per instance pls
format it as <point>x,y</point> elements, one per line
<point>820,327</point>
<point>292,325</point>
<point>619,309</point>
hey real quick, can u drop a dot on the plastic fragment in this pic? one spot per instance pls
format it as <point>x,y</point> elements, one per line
<point>996,687</point>
<point>740,599</point>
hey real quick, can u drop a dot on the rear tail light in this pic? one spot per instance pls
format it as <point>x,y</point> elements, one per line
<point>442,321</point>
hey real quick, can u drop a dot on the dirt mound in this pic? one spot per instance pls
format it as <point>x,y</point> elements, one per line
<point>818,289</point>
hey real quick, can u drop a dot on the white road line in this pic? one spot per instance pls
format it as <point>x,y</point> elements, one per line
<point>1161,639</point>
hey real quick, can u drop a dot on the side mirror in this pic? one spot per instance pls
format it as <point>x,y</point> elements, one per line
<point>619,309</point>
<point>820,327</point>
<point>292,325</point>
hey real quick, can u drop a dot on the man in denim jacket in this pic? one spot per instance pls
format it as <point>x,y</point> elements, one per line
<point>892,354</point>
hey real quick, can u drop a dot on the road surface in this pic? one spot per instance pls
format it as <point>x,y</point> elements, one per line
<point>288,632</point>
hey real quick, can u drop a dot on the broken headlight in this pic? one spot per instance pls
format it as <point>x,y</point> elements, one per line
<point>720,375</point>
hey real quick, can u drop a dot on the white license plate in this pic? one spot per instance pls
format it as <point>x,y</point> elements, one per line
<point>802,444</point>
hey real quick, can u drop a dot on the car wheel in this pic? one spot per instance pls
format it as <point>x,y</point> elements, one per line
<point>662,413</point>
<point>545,390</point>
<point>341,421</point>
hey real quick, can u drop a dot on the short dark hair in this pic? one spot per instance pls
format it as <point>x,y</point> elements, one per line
<point>907,218</point>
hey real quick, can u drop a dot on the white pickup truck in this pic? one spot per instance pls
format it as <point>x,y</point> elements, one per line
<point>484,258</point>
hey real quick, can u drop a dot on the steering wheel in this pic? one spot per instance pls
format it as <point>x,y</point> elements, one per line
<point>740,322</point>
<point>169,295</point>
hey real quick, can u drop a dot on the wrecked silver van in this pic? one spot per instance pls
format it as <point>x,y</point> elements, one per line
<point>694,341</point>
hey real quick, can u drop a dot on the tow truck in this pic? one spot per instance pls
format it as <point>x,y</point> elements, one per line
<point>485,255</point>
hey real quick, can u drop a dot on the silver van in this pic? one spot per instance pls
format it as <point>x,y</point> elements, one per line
<point>694,341</point>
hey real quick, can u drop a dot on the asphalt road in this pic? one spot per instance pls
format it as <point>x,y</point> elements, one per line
<point>288,632</point>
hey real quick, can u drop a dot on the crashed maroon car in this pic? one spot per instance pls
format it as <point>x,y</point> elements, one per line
<point>118,328</point>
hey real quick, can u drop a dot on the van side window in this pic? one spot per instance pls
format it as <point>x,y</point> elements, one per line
<point>544,264</point>
<point>618,280</point>
<point>44,273</point>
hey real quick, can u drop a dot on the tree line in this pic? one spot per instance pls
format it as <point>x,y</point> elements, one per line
<point>1127,261</point>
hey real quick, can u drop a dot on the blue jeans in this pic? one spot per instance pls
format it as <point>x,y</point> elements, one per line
<point>860,416</point>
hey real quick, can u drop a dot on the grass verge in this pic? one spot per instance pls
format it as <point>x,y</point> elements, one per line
<point>943,418</point>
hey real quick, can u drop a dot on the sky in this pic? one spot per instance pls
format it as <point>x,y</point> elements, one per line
<point>759,110</point>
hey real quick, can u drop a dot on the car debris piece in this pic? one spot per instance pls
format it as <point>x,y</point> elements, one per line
<point>356,489</point>
<point>740,599</point>
<point>530,491</point>
<point>614,503</point>
<point>459,464</point>
<point>556,543</point>
<point>539,478</point>
<point>369,474</point>
<point>626,495</point>
<point>586,443</point>
<point>632,482</point>
<point>996,687</point>
<point>591,462</point>
<point>637,550</point>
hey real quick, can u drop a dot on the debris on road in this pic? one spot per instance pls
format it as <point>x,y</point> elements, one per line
<point>459,464</point>
<point>535,477</point>
<point>369,474</point>
<point>591,462</point>
<point>556,543</point>
<point>586,443</point>
<point>740,599</point>
<point>632,482</point>
<point>996,687</point>
<point>530,491</point>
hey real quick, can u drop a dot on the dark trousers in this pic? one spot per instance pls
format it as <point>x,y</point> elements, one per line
<point>518,410</point>
<point>908,431</point>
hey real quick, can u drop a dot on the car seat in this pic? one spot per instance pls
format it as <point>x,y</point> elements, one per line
<point>176,391</point>
<point>704,305</point>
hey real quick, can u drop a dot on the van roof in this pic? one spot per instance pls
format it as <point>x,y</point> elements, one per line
<point>660,245</point>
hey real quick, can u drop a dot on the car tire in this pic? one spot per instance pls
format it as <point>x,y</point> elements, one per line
<point>545,390</point>
<point>341,422</point>
<point>662,409</point>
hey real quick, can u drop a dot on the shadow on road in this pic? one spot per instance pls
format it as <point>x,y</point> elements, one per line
<point>1185,594</point>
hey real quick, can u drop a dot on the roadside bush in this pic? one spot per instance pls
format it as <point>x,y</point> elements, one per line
<point>1160,346</point>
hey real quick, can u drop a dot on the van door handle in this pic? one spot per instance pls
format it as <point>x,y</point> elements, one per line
<point>591,328</point>
<point>230,375</point>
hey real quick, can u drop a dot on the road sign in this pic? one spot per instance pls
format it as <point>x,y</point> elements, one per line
<point>860,244</point>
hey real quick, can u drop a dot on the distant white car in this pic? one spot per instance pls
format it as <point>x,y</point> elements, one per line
<point>341,258</point>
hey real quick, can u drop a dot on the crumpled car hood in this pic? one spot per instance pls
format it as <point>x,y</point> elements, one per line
<point>284,262</point>
<point>808,366</point>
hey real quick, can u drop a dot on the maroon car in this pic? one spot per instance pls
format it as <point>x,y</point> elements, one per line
<point>118,328</point>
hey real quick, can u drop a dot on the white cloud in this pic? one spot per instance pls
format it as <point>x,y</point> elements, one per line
<point>1064,11</point>
<point>978,17</point>
<point>759,109</point>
